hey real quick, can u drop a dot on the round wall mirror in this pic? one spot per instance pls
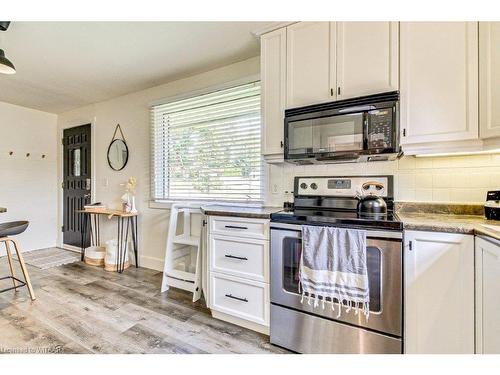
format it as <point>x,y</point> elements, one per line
<point>117,154</point>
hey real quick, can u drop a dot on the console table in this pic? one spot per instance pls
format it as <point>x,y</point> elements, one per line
<point>127,222</point>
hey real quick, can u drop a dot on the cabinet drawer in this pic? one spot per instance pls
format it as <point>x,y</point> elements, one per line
<point>247,257</point>
<point>240,298</point>
<point>240,227</point>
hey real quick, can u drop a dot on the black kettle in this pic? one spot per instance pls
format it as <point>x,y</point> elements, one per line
<point>371,203</point>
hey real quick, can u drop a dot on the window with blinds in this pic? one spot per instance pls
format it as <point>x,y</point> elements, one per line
<point>208,146</point>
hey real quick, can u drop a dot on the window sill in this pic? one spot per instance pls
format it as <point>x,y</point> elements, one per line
<point>167,205</point>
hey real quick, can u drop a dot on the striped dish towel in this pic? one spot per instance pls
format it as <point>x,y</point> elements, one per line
<point>333,268</point>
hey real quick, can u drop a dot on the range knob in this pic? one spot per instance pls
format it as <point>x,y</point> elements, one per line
<point>314,186</point>
<point>303,185</point>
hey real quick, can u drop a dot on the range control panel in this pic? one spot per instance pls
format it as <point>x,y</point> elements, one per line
<point>343,186</point>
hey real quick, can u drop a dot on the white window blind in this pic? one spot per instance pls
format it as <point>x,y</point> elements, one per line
<point>208,146</point>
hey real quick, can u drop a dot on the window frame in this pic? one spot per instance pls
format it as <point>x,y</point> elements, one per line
<point>156,203</point>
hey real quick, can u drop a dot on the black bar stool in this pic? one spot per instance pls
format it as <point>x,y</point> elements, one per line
<point>12,229</point>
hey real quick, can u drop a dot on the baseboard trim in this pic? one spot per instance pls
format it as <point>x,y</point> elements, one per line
<point>144,261</point>
<point>75,249</point>
<point>4,253</point>
<point>151,263</point>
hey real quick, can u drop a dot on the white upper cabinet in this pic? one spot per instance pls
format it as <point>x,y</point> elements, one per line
<point>310,63</point>
<point>489,79</point>
<point>367,58</point>
<point>487,296</point>
<point>273,79</point>
<point>439,81</point>
<point>439,293</point>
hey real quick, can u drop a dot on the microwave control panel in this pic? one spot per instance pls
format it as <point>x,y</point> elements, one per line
<point>380,129</point>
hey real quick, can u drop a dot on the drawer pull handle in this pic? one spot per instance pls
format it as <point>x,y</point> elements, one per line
<point>235,257</point>
<point>235,227</point>
<point>237,298</point>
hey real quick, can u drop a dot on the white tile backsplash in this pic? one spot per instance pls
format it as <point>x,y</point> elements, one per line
<point>458,179</point>
<point>441,195</point>
<point>423,180</point>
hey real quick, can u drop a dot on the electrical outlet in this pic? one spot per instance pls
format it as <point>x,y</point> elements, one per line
<point>275,189</point>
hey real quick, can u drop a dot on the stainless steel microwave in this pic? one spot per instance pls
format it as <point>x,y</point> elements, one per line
<point>350,130</point>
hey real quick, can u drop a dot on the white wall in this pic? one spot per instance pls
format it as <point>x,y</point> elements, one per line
<point>132,113</point>
<point>28,187</point>
<point>458,179</point>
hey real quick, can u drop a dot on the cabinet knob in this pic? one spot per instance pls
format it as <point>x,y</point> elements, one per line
<point>338,90</point>
<point>331,92</point>
<point>281,143</point>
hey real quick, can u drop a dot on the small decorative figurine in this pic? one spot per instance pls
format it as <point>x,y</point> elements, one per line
<point>128,199</point>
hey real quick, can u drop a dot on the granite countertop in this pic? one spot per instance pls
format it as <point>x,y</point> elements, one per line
<point>466,219</point>
<point>467,224</point>
<point>2,209</point>
<point>240,211</point>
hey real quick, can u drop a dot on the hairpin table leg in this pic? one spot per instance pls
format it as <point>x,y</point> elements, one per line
<point>84,234</point>
<point>119,245</point>
<point>134,240</point>
<point>125,253</point>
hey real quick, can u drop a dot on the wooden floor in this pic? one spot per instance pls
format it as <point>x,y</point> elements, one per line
<point>83,309</point>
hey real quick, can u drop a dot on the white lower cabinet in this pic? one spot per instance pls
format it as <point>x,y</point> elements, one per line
<point>439,293</point>
<point>240,298</point>
<point>241,257</point>
<point>487,296</point>
<point>238,271</point>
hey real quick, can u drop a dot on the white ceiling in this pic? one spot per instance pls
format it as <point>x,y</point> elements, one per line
<point>65,65</point>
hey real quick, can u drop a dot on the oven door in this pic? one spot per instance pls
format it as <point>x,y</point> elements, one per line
<point>384,261</point>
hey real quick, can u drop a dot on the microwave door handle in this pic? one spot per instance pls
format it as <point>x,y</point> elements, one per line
<point>360,108</point>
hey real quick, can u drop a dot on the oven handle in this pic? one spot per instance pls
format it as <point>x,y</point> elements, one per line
<point>370,233</point>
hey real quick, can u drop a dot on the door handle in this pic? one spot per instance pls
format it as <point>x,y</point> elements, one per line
<point>235,227</point>
<point>235,257</point>
<point>236,298</point>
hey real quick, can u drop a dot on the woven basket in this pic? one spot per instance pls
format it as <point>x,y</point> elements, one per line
<point>94,255</point>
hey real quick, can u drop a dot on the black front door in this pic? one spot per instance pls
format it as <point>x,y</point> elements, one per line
<point>76,181</point>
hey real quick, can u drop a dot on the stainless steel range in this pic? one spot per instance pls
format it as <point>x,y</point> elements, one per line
<point>334,201</point>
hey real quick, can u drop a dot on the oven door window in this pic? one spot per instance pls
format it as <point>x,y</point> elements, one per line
<point>327,134</point>
<point>292,248</point>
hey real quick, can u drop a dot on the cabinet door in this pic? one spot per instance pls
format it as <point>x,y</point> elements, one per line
<point>489,76</point>
<point>487,296</point>
<point>439,293</point>
<point>439,81</point>
<point>273,79</point>
<point>310,63</point>
<point>367,58</point>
